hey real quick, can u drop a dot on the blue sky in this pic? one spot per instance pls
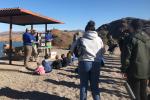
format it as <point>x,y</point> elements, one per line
<point>76,13</point>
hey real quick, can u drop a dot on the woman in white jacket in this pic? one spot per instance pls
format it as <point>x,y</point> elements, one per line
<point>89,61</point>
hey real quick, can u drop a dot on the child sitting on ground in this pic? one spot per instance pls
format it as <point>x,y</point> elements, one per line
<point>57,63</point>
<point>64,61</point>
<point>47,64</point>
<point>69,58</point>
<point>39,70</point>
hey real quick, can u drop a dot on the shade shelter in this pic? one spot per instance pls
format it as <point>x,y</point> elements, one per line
<point>23,17</point>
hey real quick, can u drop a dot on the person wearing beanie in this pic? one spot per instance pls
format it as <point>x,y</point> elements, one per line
<point>136,59</point>
<point>90,58</point>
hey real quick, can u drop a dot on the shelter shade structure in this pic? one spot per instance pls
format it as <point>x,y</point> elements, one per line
<point>23,17</point>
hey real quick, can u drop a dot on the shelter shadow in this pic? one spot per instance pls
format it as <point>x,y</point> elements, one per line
<point>31,95</point>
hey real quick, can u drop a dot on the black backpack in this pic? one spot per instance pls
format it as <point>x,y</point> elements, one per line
<point>78,50</point>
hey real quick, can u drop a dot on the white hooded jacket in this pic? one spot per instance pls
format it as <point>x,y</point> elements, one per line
<point>92,47</point>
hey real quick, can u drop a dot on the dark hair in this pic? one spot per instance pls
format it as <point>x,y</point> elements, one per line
<point>27,30</point>
<point>123,25</point>
<point>62,55</point>
<point>90,26</point>
<point>56,57</point>
<point>38,63</point>
<point>129,29</point>
<point>137,24</point>
<point>46,56</point>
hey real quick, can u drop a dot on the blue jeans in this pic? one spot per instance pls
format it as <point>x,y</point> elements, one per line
<point>89,71</point>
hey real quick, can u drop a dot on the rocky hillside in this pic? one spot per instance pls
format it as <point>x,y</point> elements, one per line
<point>16,36</point>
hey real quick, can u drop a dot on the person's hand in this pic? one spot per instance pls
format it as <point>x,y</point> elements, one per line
<point>32,41</point>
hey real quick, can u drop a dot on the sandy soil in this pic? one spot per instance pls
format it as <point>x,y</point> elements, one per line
<point>61,84</point>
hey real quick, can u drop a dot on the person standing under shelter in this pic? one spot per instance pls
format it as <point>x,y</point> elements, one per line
<point>27,42</point>
<point>136,60</point>
<point>48,42</point>
<point>90,58</point>
<point>34,45</point>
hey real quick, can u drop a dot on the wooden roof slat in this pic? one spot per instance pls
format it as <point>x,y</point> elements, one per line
<point>24,17</point>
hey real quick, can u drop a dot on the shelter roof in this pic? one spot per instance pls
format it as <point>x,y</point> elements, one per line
<point>24,17</point>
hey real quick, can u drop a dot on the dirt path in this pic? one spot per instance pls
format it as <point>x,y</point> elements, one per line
<point>111,81</point>
<point>62,84</point>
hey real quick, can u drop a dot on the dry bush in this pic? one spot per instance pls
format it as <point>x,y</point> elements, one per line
<point>62,39</point>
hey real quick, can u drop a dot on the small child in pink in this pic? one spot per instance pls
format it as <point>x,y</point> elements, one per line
<point>40,69</point>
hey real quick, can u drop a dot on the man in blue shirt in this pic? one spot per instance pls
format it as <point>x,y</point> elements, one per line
<point>48,39</point>
<point>27,42</point>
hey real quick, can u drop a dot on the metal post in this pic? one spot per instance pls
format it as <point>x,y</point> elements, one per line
<point>10,41</point>
<point>45,27</point>
<point>45,40</point>
<point>32,27</point>
<point>129,90</point>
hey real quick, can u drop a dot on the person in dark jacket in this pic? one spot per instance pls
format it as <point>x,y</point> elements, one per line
<point>136,60</point>
<point>57,63</point>
<point>65,62</point>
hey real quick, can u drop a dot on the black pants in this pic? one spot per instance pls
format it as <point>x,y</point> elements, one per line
<point>138,87</point>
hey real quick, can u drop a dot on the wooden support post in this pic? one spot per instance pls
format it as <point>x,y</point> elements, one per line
<point>45,27</point>
<point>10,41</point>
<point>32,27</point>
<point>45,40</point>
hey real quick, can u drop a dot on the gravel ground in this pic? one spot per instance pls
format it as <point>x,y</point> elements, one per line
<point>61,84</point>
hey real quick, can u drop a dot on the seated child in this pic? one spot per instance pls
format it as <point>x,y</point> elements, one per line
<point>39,70</point>
<point>57,63</point>
<point>47,64</point>
<point>69,58</point>
<point>64,61</point>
